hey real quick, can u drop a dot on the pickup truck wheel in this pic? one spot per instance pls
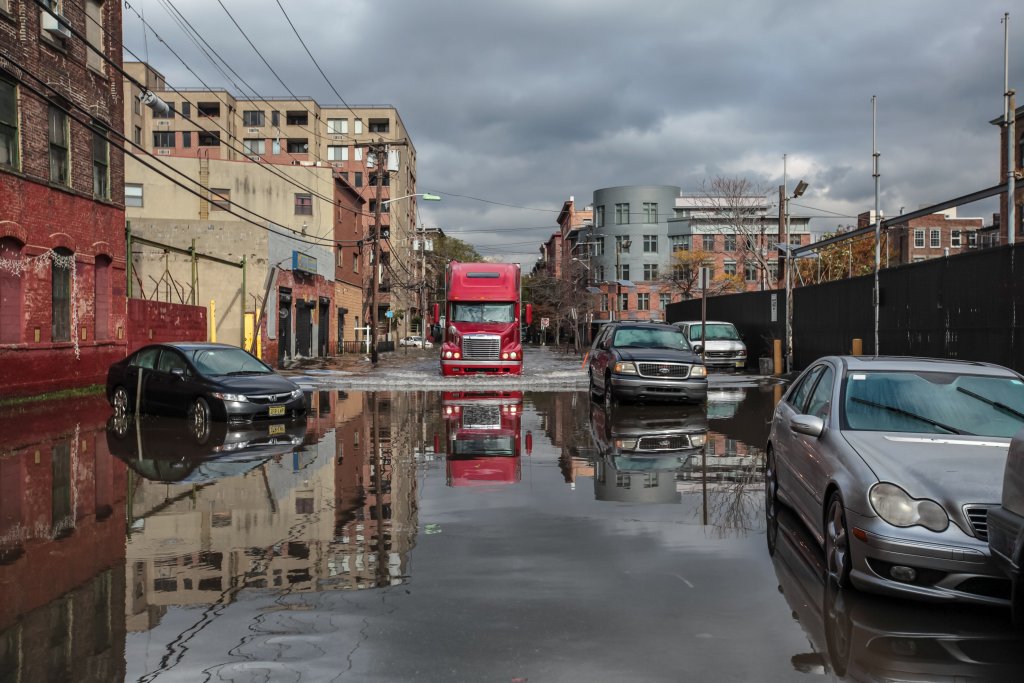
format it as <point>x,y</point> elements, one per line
<point>594,393</point>
<point>609,393</point>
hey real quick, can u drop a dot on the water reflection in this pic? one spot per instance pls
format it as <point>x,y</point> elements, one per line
<point>62,529</point>
<point>483,439</point>
<point>861,637</point>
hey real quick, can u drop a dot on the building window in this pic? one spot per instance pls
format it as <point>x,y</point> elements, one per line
<point>254,146</point>
<point>303,204</point>
<point>650,244</point>
<point>275,146</point>
<point>622,244</point>
<point>8,124</point>
<point>597,247</point>
<point>384,204</point>
<point>599,216</point>
<point>94,33</point>
<point>253,118</point>
<point>972,239</point>
<point>954,239</point>
<point>296,118</point>
<point>208,139</point>
<point>730,242</point>
<point>386,183</point>
<point>337,153</point>
<point>379,126</point>
<point>358,127</point>
<point>58,134</point>
<point>936,239</point>
<point>136,106</point>
<point>709,242</point>
<point>186,139</point>
<point>750,271</point>
<point>132,194</point>
<point>358,154</point>
<point>622,272</point>
<point>650,271</point>
<point>650,212</point>
<point>275,119</point>
<point>643,301</point>
<point>208,109</point>
<point>298,146</point>
<point>60,309</point>
<point>137,136</point>
<point>355,263</point>
<point>622,214</point>
<point>10,293</point>
<point>729,267</point>
<point>102,297</point>
<point>359,179</point>
<point>163,138</point>
<point>666,299</point>
<point>186,110</point>
<point>337,126</point>
<point>624,301</point>
<point>919,239</point>
<point>680,242</point>
<point>220,199</point>
<point>100,165</point>
<point>598,273</point>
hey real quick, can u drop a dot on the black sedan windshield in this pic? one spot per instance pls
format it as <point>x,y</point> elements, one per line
<point>933,402</point>
<point>228,362</point>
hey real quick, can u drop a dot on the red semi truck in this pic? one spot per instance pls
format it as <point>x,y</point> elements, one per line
<point>483,437</point>
<point>483,319</point>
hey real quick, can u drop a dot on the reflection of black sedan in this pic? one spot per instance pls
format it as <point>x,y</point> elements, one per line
<point>203,381</point>
<point>170,450</point>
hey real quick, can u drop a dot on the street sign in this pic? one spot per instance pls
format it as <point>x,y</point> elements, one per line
<point>544,322</point>
<point>704,279</point>
<point>389,314</point>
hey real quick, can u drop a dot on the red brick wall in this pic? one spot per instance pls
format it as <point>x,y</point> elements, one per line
<point>150,322</point>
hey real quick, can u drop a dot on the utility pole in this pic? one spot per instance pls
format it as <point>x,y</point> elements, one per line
<point>1010,123</point>
<point>878,225</point>
<point>378,150</point>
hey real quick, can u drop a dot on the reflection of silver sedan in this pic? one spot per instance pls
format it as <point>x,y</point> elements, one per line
<point>892,463</point>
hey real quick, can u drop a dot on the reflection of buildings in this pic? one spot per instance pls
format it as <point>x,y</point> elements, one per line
<point>335,513</point>
<point>61,546</point>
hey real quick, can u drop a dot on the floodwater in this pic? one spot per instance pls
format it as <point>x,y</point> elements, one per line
<point>465,535</point>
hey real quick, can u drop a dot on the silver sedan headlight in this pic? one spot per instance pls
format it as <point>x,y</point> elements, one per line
<point>895,506</point>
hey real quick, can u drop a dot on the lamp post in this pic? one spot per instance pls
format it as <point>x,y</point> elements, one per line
<point>375,271</point>
<point>800,188</point>
<point>619,246</point>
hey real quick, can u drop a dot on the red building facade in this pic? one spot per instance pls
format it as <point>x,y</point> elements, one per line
<point>62,266</point>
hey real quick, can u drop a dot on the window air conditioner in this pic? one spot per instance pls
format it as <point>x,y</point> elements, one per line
<point>57,25</point>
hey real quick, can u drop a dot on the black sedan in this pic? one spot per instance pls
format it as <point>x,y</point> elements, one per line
<point>204,382</point>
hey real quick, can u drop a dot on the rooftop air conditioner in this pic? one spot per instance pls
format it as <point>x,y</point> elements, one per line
<point>56,25</point>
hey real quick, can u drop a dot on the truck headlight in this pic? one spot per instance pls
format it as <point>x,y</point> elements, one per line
<point>698,371</point>
<point>895,506</point>
<point>513,355</point>
<point>625,367</point>
<point>447,354</point>
<point>742,353</point>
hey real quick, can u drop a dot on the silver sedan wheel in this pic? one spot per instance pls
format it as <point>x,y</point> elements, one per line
<point>837,542</point>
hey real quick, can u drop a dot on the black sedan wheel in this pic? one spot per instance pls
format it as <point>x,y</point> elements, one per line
<point>199,419</point>
<point>837,542</point>
<point>120,401</point>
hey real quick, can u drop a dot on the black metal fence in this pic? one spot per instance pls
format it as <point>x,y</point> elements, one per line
<point>969,306</point>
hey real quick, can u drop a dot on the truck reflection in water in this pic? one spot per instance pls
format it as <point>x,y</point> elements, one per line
<point>861,637</point>
<point>639,449</point>
<point>483,438</point>
<point>168,450</point>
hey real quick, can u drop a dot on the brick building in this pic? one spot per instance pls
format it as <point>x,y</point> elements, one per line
<point>62,266</point>
<point>933,236</point>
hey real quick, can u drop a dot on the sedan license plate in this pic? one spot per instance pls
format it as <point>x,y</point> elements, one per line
<point>275,411</point>
<point>275,429</point>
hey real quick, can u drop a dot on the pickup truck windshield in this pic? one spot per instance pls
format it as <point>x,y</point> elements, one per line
<point>716,331</point>
<point>482,313</point>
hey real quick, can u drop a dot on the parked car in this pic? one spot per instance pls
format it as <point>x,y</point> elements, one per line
<point>639,361</point>
<point>892,464</point>
<point>723,347</point>
<point>418,342</point>
<point>203,382</point>
<point>1006,525</point>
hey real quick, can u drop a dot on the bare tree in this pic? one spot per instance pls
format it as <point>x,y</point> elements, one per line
<point>685,271</point>
<point>738,206</point>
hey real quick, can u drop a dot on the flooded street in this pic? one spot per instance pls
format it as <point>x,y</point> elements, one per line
<point>471,534</point>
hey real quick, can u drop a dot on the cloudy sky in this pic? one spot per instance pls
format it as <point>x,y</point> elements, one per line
<point>526,103</point>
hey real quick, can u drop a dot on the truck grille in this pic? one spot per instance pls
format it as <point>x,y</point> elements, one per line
<point>667,370</point>
<point>663,443</point>
<point>719,354</point>
<point>481,347</point>
<point>977,515</point>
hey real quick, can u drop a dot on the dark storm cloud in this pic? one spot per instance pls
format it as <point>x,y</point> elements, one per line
<point>530,102</point>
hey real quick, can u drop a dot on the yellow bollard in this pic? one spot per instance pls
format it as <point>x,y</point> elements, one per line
<point>213,320</point>
<point>777,356</point>
<point>858,347</point>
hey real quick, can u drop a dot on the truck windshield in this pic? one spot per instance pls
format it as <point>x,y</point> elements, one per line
<point>482,313</point>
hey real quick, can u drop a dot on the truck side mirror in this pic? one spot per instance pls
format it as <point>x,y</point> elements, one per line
<point>529,314</point>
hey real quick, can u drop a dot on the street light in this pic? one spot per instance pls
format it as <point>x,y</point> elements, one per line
<point>800,188</point>
<point>427,197</point>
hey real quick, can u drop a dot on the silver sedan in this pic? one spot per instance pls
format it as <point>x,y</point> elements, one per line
<point>892,464</point>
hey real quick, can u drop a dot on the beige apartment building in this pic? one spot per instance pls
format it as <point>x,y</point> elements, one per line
<point>278,163</point>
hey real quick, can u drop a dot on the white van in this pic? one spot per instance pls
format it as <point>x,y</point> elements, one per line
<point>723,346</point>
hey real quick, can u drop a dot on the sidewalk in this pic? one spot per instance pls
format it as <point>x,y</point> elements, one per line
<point>359,363</point>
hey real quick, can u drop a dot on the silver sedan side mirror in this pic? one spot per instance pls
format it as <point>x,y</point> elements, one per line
<point>807,424</point>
